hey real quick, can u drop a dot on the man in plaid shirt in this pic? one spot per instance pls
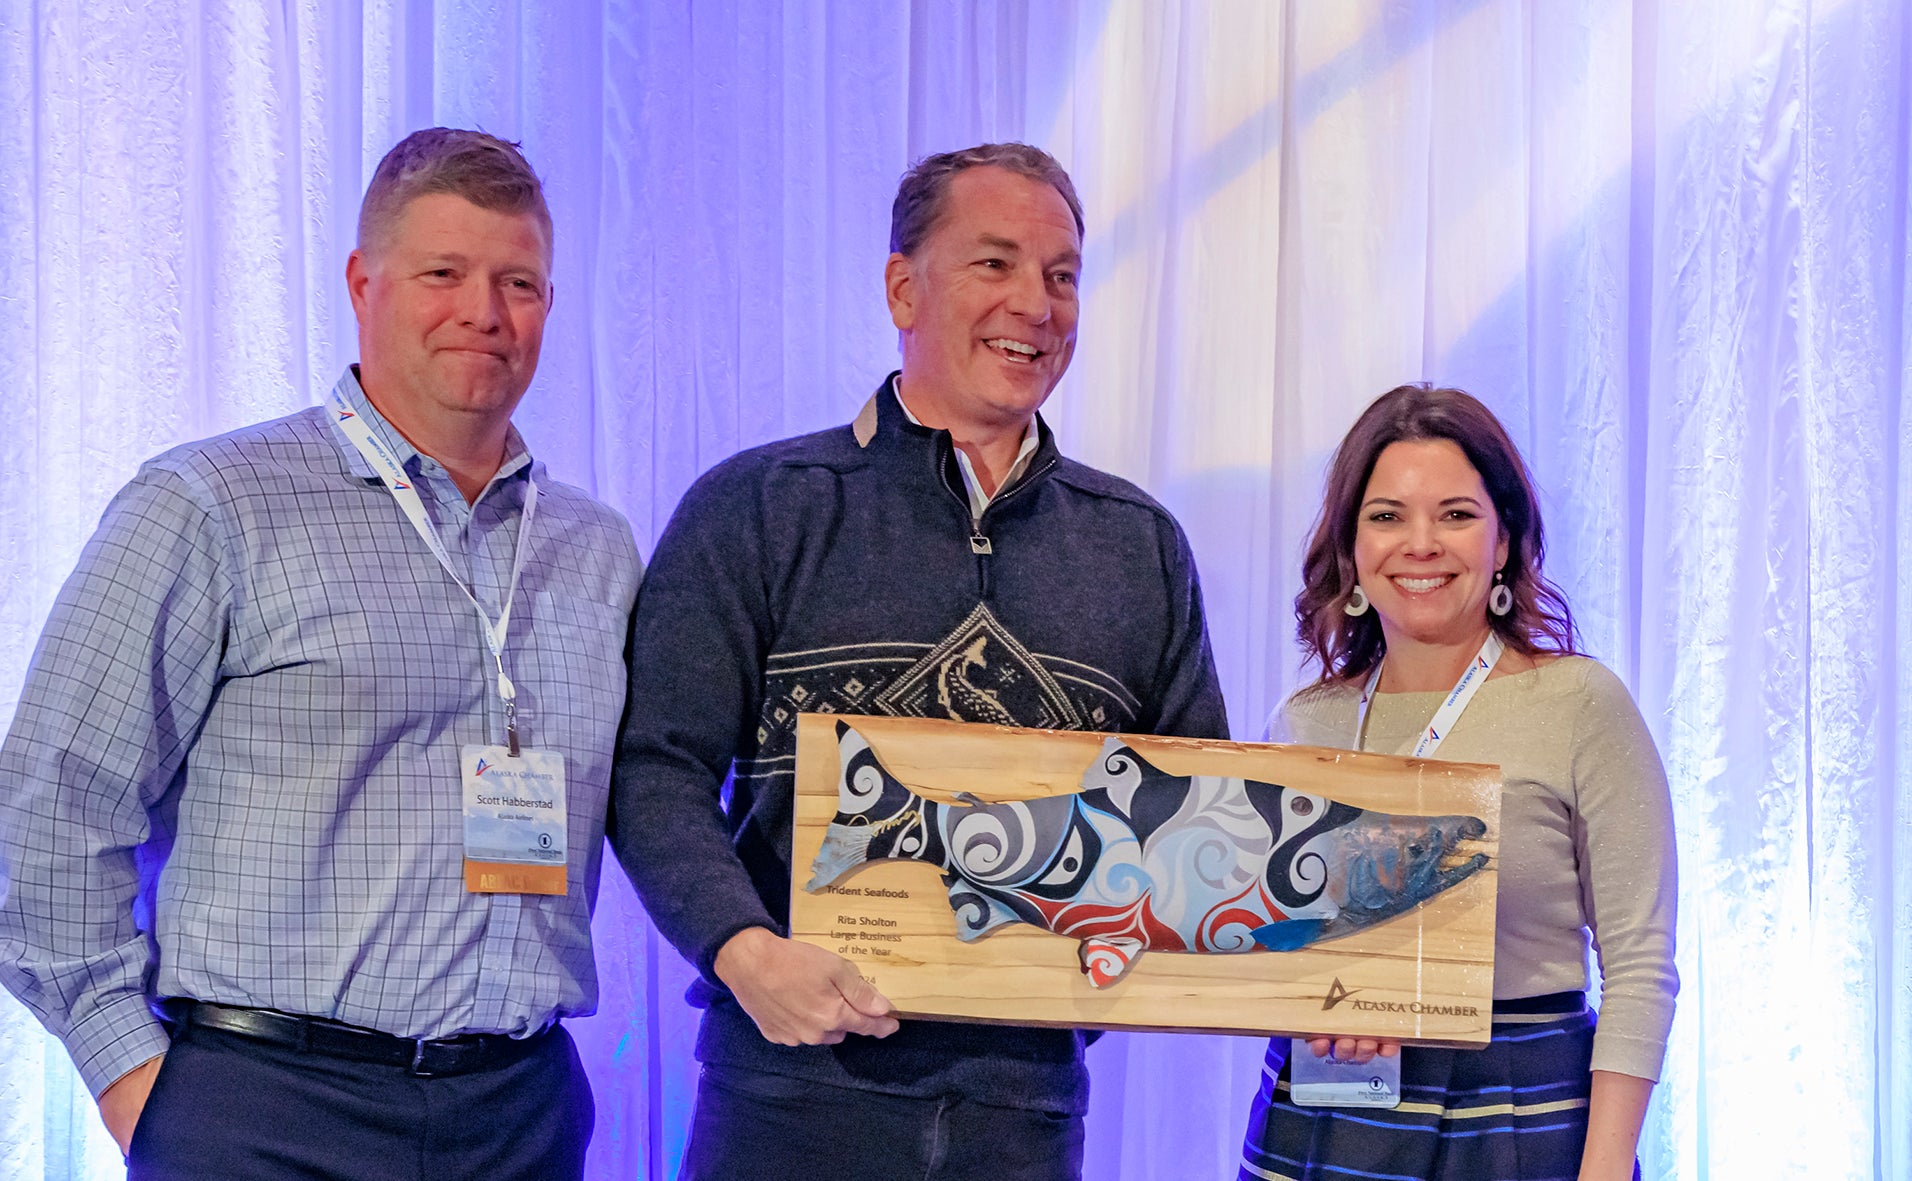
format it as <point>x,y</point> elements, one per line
<point>262,886</point>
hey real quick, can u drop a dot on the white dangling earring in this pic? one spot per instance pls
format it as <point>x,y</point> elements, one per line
<point>1357,603</point>
<point>1500,600</point>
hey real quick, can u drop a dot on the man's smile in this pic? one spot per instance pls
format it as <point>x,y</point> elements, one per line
<point>1014,350</point>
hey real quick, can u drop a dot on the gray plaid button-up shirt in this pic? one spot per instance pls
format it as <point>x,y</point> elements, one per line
<point>241,732</point>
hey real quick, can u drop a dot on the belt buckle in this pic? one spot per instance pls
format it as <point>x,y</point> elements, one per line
<point>418,1059</point>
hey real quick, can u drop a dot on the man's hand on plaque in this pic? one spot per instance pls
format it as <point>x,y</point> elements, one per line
<point>1354,1049</point>
<point>798,994</point>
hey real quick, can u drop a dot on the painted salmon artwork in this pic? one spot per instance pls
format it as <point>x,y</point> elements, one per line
<point>1138,859</point>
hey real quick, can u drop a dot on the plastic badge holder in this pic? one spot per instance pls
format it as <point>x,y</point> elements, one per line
<point>1336,1082</point>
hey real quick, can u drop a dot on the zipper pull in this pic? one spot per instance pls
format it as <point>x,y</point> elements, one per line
<point>979,545</point>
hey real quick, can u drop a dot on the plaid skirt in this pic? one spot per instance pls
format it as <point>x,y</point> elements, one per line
<point>1515,1110</point>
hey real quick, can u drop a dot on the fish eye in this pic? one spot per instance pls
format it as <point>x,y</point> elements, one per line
<point>1064,872</point>
<point>1301,805</point>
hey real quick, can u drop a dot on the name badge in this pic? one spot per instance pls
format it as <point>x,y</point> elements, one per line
<point>1336,1082</point>
<point>514,821</point>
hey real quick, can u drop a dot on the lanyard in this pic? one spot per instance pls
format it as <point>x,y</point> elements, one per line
<point>1450,710</point>
<point>386,464</point>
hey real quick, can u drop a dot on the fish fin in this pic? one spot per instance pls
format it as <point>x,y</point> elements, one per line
<point>1289,934</point>
<point>1111,747</point>
<point>977,914</point>
<point>843,849</point>
<point>1116,753</point>
<point>1120,781</point>
<point>1107,960</point>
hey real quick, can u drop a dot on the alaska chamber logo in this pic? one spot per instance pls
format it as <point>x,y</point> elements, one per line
<point>1336,994</point>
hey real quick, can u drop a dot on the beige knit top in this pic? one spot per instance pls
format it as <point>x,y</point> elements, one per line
<point>1586,838</point>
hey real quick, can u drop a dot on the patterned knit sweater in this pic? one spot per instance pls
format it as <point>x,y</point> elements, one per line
<point>842,572</point>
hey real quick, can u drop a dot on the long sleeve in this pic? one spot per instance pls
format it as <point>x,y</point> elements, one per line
<point>115,695</point>
<point>1189,699</point>
<point>1624,839</point>
<point>697,647</point>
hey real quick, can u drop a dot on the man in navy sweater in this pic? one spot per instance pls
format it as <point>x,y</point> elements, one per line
<point>938,558</point>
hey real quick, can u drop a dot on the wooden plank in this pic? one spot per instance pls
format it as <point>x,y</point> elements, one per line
<point>1425,976</point>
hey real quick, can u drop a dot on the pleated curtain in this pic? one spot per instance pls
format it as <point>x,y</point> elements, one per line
<point>1666,240</point>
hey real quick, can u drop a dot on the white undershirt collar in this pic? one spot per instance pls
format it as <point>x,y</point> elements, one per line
<point>978,499</point>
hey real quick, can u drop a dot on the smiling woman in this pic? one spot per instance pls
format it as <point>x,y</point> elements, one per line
<point>1426,610</point>
<point>1448,454</point>
<point>1428,545</point>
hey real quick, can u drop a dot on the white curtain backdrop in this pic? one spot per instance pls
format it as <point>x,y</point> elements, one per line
<point>1667,240</point>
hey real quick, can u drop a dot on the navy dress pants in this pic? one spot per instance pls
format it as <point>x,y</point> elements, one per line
<point>754,1125</point>
<point>230,1107</point>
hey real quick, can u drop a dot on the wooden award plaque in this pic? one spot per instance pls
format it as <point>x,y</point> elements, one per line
<point>1424,975</point>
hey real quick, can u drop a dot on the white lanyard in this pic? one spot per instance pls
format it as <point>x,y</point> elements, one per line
<point>392,472</point>
<point>1451,709</point>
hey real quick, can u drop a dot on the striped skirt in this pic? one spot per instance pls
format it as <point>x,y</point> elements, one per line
<point>1515,1110</point>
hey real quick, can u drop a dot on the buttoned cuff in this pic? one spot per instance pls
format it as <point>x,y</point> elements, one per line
<point>114,1038</point>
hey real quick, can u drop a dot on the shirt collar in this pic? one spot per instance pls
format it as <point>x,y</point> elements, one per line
<point>978,499</point>
<point>517,455</point>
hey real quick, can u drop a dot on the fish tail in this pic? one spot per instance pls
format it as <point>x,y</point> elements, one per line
<point>867,794</point>
<point>871,804</point>
<point>844,848</point>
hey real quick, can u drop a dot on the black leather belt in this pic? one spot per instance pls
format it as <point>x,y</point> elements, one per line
<point>463,1054</point>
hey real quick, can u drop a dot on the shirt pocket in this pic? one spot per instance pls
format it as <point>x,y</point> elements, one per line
<point>568,667</point>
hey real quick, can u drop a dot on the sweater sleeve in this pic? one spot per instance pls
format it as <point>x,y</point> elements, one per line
<point>1189,694</point>
<point>698,641</point>
<point>1624,840</point>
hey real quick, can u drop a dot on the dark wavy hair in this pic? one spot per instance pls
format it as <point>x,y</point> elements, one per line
<point>1348,646</point>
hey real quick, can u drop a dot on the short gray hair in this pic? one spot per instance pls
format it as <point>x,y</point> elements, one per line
<point>920,195</point>
<point>489,172</point>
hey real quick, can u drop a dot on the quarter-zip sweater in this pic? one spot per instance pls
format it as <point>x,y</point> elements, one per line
<point>842,572</point>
